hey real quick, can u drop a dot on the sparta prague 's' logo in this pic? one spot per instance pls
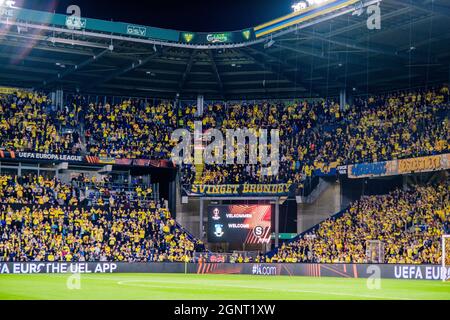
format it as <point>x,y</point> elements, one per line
<point>258,231</point>
<point>219,230</point>
<point>216,214</point>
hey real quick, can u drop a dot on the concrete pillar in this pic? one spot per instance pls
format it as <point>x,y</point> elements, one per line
<point>57,98</point>
<point>405,182</point>
<point>277,222</point>
<point>201,219</point>
<point>173,196</point>
<point>331,201</point>
<point>200,105</point>
<point>342,99</point>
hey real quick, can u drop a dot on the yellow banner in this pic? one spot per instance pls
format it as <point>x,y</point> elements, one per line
<point>7,90</point>
<point>423,164</point>
<point>243,190</point>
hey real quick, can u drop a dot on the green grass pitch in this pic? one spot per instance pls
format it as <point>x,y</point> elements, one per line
<point>211,287</point>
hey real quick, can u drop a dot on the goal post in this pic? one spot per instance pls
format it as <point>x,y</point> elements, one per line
<point>445,257</point>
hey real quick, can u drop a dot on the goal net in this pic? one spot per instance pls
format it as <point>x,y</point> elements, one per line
<point>446,258</point>
<point>375,251</point>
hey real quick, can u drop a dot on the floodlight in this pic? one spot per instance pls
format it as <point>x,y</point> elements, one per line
<point>7,3</point>
<point>314,2</point>
<point>299,6</point>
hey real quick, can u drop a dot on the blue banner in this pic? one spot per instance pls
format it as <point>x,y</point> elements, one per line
<point>368,169</point>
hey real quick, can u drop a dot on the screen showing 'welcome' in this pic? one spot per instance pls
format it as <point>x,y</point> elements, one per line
<point>249,224</point>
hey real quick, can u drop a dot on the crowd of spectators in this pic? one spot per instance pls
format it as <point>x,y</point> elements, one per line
<point>409,224</point>
<point>390,127</point>
<point>133,130</point>
<point>69,234</point>
<point>46,220</point>
<point>321,135</point>
<point>40,221</point>
<point>29,122</point>
<point>102,191</point>
<point>84,190</point>
<point>37,190</point>
<point>313,134</point>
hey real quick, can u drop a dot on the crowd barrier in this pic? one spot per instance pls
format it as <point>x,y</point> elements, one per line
<point>383,271</point>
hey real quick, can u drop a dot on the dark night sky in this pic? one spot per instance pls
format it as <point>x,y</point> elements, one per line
<point>188,15</point>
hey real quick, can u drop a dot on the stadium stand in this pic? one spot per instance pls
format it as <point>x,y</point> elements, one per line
<point>313,135</point>
<point>301,151</point>
<point>320,135</point>
<point>46,220</point>
<point>410,223</point>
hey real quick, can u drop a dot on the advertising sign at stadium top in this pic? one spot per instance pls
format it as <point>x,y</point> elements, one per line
<point>218,37</point>
<point>75,23</point>
<point>137,30</point>
<point>247,34</point>
<point>188,36</point>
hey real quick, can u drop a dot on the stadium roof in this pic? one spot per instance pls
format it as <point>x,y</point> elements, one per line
<point>318,57</point>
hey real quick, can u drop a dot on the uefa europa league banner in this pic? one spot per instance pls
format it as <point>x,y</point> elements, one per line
<point>380,271</point>
<point>18,156</point>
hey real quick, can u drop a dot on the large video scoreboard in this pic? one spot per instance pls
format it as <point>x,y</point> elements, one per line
<point>246,224</point>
